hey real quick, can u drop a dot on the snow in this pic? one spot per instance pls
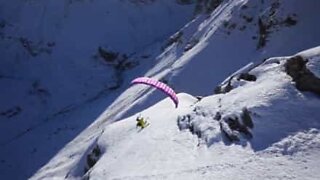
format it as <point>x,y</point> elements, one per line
<point>53,83</point>
<point>282,147</point>
<point>297,143</point>
<point>58,107</point>
<point>285,143</point>
<point>222,51</point>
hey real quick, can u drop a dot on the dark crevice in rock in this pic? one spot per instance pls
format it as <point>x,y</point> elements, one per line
<point>233,126</point>
<point>263,33</point>
<point>176,38</point>
<point>247,77</point>
<point>193,42</point>
<point>246,118</point>
<point>185,2</point>
<point>11,112</point>
<point>206,6</point>
<point>91,159</point>
<point>108,56</point>
<point>289,21</point>
<point>224,89</point>
<point>119,63</point>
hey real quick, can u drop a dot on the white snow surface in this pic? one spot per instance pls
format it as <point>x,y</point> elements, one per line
<point>285,143</point>
<point>58,102</point>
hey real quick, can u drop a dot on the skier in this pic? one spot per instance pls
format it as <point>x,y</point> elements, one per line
<point>141,122</point>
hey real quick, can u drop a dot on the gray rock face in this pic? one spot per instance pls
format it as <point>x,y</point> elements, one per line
<point>305,80</point>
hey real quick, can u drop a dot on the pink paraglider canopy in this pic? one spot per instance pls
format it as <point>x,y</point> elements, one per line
<point>159,85</point>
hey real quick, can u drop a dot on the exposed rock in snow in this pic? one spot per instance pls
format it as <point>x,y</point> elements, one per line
<point>230,35</point>
<point>67,111</point>
<point>266,124</point>
<point>247,77</point>
<point>305,80</point>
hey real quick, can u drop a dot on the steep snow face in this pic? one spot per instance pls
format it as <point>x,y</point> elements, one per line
<point>60,57</point>
<point>191,142</point>
<point>125,26</point>
<point>240,32</point>
<point>209,48</point>
<point>193,60</point>
<point>50,55</point>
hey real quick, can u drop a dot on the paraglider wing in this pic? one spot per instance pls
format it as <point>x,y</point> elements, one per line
<point>159,85</point>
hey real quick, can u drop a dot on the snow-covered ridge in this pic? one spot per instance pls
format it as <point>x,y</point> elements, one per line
<point>210,137</point>
<point>241,32</point>
<point>268,86</point>
<point>70,82</point>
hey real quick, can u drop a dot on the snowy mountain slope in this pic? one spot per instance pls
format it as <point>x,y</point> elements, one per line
<point>209,56</point>
<point>190,142</point>
<point>58,73</point>
<point>232,35</point>
<point>276,135</point>
<point>229,38</point>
